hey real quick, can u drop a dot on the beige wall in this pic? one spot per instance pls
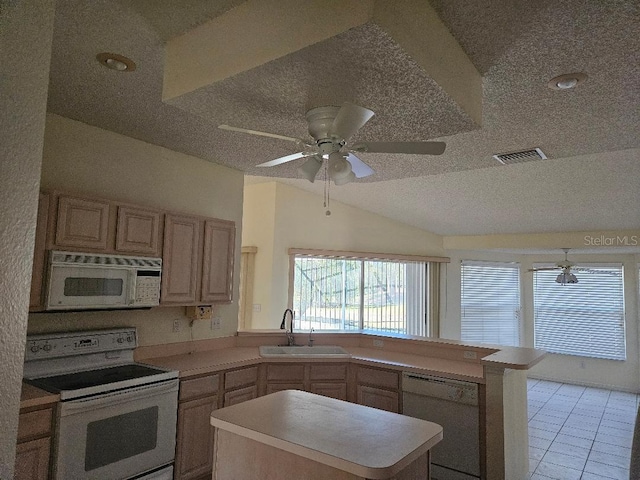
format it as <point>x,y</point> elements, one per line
<point>26,31</point>
<point>299,221</point>
<point>589,371</point>
<point>86,159</point>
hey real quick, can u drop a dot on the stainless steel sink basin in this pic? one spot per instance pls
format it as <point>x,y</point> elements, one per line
<point>323,351</point>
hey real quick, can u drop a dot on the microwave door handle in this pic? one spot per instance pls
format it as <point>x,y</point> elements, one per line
<point>132,287</point>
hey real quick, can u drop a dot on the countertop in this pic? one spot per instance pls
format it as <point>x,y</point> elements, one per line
<point>33,397</point>
<point>207,362</point>
<point>343,435</point>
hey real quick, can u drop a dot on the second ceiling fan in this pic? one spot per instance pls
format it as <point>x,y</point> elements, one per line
<point>331,128</point>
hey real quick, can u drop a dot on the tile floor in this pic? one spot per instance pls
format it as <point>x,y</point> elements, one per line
<point>579,433</point>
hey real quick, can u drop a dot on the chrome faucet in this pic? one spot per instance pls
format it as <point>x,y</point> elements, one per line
<point>291,341</point>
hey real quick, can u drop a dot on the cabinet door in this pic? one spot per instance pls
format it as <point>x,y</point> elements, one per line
<point>241,395</point>
<point>277,387</point>
<point>181,256</point>
<point>32,460</point>
<point>39,254</point>
<point>378,398</point>
<point>82,223</point>
<point>217,266</point>
<point>194,448</point>
<point>333,390</point>
<point>138,231</point>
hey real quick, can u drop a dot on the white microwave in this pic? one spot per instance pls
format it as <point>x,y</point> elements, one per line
<point>86,281</point>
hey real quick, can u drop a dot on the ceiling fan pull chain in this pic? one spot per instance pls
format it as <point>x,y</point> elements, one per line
<point>327,186</point>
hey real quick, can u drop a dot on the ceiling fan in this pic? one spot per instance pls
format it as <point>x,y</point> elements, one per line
<point>565,267</point>
<point>331,128</point>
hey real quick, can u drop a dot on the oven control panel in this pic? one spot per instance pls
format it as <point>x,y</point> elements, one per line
<point>67,344</point>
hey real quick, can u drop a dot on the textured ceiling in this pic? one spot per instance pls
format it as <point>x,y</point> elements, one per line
<point>516,45</point>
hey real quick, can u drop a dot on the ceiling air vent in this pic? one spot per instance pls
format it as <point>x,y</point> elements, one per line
<point>520,157</point>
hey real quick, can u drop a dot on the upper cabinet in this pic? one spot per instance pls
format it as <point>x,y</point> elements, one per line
<point>217,264</point>
<point>82,223</point>
<point>103,226</point>
<point>197,260</point>
<point>138,231</point>
<point>197,252</point>
<point>181,259</point>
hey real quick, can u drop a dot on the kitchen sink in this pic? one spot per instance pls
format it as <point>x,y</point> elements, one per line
<point>323,351</point>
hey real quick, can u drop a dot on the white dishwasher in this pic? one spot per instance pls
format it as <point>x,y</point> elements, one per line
<point>453,404</point>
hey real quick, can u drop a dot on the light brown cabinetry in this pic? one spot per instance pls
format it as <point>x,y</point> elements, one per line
<point>197,260</point>
<point>36,300</point>
<point>104,226</point>
<point>194,442</point>
<point>197,398</point>
<point>138,231</point>
<point>240,385</point>
<point>34,444</point>
<point>181,257</point>
<point>328,379</point>
<point>378,388</point>
<point>82,223</point>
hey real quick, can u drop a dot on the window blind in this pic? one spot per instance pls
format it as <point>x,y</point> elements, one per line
<point>585,318</point>
<point>356,294</point>
<point>490,302</point>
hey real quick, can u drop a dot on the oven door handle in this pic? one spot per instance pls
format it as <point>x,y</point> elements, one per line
<point>82,405</point>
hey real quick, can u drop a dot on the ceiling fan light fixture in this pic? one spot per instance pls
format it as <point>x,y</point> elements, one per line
<point>340,170</point>
<point>566,277</point>
<point>310,168</point>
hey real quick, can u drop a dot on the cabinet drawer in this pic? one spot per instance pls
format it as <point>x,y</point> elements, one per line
<point>238,378</point>
<point>241,395</point>
<point>198,387</point>
<point>285,372</point>
<point>34,424</point>
<point>381,378</point>
<point>328,372</point>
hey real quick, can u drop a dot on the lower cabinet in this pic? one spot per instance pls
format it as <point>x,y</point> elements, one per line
<point>34,444</point>
<point>197,398</point>
<point>328,379</point>
<point>378,388</point>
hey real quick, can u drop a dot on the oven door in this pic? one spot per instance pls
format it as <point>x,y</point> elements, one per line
<point>117,435</point>
<point>73,287</point>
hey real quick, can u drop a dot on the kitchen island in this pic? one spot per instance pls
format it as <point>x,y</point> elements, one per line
<point>295,434</point>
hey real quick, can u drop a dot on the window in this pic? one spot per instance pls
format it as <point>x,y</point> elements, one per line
<point>340,293</point>
<point>584,318</point>
<point>490,303</point>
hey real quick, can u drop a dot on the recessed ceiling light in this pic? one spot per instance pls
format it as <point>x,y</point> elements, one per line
<point>566,81</point>
<point>116,62</point>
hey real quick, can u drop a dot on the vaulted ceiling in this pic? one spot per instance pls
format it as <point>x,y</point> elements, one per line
<point>472,74</point>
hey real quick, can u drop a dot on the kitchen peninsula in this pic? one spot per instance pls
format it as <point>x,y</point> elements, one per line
<point>217,373</point>
<point>295,434</point>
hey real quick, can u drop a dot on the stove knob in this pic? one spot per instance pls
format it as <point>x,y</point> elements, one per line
<point>120,340</point>
<point>47,348</point>
<point>35,348</point>
<point>129,338</point>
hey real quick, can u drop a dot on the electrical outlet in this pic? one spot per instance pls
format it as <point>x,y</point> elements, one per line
<point>216,323</point>
<point>470,355</point>
<point>583,364</point>
<point>378,343</point>
<point>177,325</point>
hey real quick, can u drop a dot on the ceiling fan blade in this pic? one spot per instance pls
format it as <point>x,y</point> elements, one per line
<point>543,269</point>
<point>281,160</point>
<point>349,120</point>
<point>262,134</point>
<point>416,148</point>
<point>359,168</point>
